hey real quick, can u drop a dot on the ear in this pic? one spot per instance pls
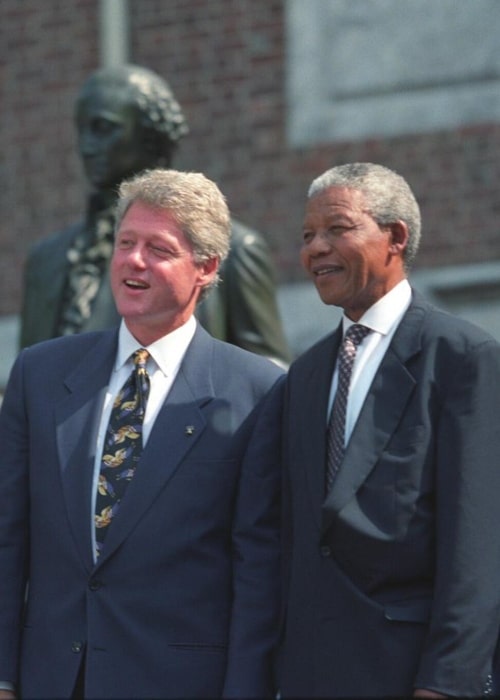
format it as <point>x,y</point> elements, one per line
<point>207,271</point>
<point>399,235</point>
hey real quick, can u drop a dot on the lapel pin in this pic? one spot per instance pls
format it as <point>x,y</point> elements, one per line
<point>189,429</point>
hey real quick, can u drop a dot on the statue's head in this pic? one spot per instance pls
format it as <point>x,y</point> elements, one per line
<point>127,120</point>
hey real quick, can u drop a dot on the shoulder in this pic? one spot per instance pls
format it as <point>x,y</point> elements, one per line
<point>321,352</point>
<point>440,326</point>
<point>64,350</point>
<point>243,234</point>
<point>233,365</point>
<point>245,240</point>
<point>251,363</point>
<point>43,373</point>
<point>58,241</point>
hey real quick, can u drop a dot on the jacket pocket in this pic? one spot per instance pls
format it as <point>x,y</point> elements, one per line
<point>408,611</point>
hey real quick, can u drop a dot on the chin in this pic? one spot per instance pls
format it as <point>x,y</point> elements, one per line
<point>328,298</point>
<point>129,311</point>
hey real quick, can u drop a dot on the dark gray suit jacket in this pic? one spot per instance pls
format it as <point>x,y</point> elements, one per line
<point>394,580</point>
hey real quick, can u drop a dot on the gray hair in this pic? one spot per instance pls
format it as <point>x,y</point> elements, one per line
<point>387,195</point>
<point>158,110</point>
<point>195,202</point>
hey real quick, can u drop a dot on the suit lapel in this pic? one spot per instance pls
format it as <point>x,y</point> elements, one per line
<point>311,428</point>
<point>77,423</point>
<point>380,415</point>
<point>179,425</point>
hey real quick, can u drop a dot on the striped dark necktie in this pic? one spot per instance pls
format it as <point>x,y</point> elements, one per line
<point>336,427</point>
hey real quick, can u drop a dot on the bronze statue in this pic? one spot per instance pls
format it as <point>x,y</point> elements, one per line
<point>128,120</point>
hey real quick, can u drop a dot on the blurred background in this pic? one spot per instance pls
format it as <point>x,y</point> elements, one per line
<point>275,92</point>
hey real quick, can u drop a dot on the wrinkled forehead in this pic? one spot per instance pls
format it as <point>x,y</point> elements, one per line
<point>336,198</point>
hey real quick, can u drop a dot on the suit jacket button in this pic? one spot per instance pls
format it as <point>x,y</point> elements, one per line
<point>76,647</point>
<point>94,584</point>
<point>325,550</point>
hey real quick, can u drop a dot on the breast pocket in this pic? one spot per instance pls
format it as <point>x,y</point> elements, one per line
<point>388,495</point>
<point>406,441</point>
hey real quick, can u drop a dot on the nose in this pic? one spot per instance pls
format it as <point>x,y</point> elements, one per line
<point>135,257</point>
<point>318,244</point>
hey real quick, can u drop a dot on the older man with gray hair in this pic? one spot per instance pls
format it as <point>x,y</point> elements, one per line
<point>391,498</point>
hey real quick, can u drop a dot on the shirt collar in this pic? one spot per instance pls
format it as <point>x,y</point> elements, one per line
<point>387,312</point>
<point>167,352</point>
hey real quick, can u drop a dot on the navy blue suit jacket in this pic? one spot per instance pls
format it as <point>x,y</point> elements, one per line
<point>183,600</point>
<point>394,578</point>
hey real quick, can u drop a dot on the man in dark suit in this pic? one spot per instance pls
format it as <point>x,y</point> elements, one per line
<point>170,587</point>
<point>392,477</point>
<point>128,120</point>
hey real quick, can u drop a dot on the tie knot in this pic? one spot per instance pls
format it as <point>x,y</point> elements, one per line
<point>356,333</point>
<point>140,358</point>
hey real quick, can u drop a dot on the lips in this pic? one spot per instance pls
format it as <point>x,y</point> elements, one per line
<point>135,284</point>
<point>321,270</point>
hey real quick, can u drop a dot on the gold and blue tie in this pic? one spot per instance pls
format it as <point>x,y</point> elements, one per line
<point>122,446</point>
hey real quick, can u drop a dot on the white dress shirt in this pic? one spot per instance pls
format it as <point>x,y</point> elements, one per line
<point>382,318</point>
<point>166,355</point>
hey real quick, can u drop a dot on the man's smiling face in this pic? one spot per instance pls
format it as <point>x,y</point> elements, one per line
<point>347,254</point>
<point>155,279</point>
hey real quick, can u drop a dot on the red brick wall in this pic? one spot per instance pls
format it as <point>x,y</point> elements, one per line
<point>225,62</point>
<point>47,49</point>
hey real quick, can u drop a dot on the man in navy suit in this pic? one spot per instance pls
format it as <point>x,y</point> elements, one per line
<point>392,536</point>
<point>181,600</point>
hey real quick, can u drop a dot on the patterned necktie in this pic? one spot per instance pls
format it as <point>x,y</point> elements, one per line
<point>336,427</point>
<point>122,446</point>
